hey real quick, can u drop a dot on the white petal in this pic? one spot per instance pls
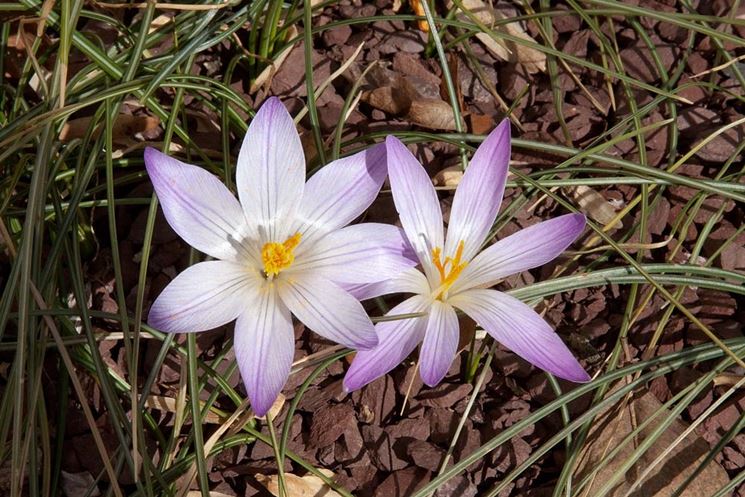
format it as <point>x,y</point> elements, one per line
<point>327,309</point>
<point>264,348</point>
<point>522,330</point>
<point>341,191</point>
<point>410,281</point>
<point>440,343</point>
<point>526,249</point>
<point>416,202</point>
<point>397,340</point>
<point>204,296</point>
<point>198,207</point>
<point>479,194</point>
<point>361,253</point>
<point>271,171</point>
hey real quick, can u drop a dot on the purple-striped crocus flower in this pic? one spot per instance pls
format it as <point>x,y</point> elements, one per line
<point>283,249</point>
<point>457,274</point>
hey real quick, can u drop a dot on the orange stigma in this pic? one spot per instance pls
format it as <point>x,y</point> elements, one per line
<point>449,269</point>
<point>279,256</point>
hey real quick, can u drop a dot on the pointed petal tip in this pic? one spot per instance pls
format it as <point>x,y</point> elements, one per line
<point>151,156</point>
<point>576,224</point>
<point>577,375</point>
<point>429,380</point>
<point>369,341</point>
<point>260,408</point>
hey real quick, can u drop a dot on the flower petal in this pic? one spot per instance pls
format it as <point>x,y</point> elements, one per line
<point>264,346</point>
<point>328,310</point>
<point>270,174</point>
<point>204,296</point>
<point>409,281</point>
<point>198,206</point>
<point>361,253</point>
<point>416,201</point>
<point>526,249</point>
<point>522,330</point>
<point>440,343</point>
<point>341,191</point>
<point>397,340</point>
<point>479,194</point>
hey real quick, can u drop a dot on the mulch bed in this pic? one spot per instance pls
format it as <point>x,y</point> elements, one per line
<point>372,441</point>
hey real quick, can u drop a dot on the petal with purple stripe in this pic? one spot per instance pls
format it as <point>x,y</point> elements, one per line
<point>526,249</point>
<point>440,343</point>
<point>264,346</point>
<point>341,191</point>
<point>204,296</point>
<point>522,330</point>
<point>397,340</point>
<point>270,174</point>
<point>416,202</point>
<point>198,207</point>
<point>361,253</point>
<point>327,309</point>
<point>479,194</point>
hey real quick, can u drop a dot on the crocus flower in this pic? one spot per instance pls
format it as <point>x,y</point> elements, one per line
<point>457,274</point>
<point>283,249</point>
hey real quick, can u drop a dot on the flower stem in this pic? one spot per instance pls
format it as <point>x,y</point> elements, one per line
<point>278,456</point>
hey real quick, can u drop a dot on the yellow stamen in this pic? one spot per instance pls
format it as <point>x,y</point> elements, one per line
<point>279,256</point>
<point>447,276</point>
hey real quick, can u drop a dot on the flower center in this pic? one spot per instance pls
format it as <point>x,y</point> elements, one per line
<point>449,269</point>
<point>279,256</point>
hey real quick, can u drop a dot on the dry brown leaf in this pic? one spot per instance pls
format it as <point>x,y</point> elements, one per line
<point>296,486</point>
<point>125,127</point>
<point>533,60</point>
<point>450,176</point>
<point>432,113</point>
<point>595,205</point>
<point>168,404</point>
<point>388,99</point>
<point>727,379</point>
<point>613,425</point>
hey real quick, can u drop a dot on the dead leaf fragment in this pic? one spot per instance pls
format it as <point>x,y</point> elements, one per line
<point>450,176</point>
<point>125,127</point>
<point>595,205</point>
<point>432,113</point>
<point>296,486</point>
<point>615,424</point>
<point>533,60</point>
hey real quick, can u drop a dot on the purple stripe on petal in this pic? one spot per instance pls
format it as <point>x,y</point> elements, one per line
<point>397,340</point>
<point>204,296</point>
<point>264,346</point>
<point>410,281</point>
<point>270,174</point>
<point>327,309</point>
<point>416,202</point>
<point>440,343</point>
<point>526,249</point>
<point>361,253</point>
<point>479,194</point>
<point>198,207</point>
<point>341,191</point>
<point>522,330</point>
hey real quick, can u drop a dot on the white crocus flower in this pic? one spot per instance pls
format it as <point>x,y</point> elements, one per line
<point>282,250</point>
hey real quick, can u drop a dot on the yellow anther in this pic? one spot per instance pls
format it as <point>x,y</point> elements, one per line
<point>449,269</point>
<point>279,256</point>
